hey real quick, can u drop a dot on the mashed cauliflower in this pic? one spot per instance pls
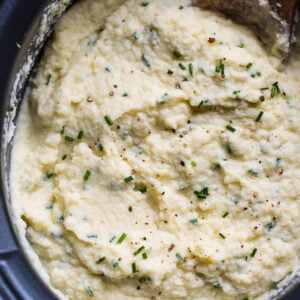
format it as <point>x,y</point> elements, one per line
<point>158,156</point>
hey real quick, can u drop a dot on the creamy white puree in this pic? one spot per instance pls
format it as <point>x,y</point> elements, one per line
<point>158,156</point>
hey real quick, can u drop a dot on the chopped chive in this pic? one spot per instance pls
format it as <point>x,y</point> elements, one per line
<point>100,260</point>
<point>108,120</point>
<point>144,279</point>
<point>194,221</point>
<point>133,267</point>
<point>90,292</point>
<point>249,65</point>
<point>182,66</point>
<point>144,255</point>
<point>49,174</point>
<point>64,157</point>
<point>143,190</point>
<point>121,238</point>
<point>176,53</point>
<point>217,284</point>
<point>202,194</point>
<point>225,214</point>
<point>125,95</point>
<point>180,7</point>
<point>128,179</point>
<point>216,167</point>
<point>107,69</point>
<point>262,98</point>
<point>100,147</point>
<point>80,134</point>
<point>69,138</point>
<point>112,239</point>
<point>220,68</point>
<point>229,148</point>
<point>278,161</point>
<point>179,257</point>
<point>253,172</point>
<point>48,79</point>
<point>259,116</point>
<point>62,131</point>
<point>87,175</point>
<point>184,78</point>
<point>253,252</point>
<point>230,128</point>
<point>241,45</point>
<point>264,88</point>
<point>138,251</point>
<point>193,164</point>
<point>275,89</point>
<point>92,236</point>
<point>146,60</point>
<point>115,265</point>
<point>145,3</point>
<point>222,235</point>
<point>191,69</point>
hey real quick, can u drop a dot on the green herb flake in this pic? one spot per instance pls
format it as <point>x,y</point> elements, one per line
<point>121,238</point>
<point>225,214</point>
<point>180,7</point>
<point>62,131</point>
<point>64,157</point>
<point>179,257</point>
<point>69,138</point>
<point>216,167</point>
<point>222,235</point>
<point>145,3</point>
<point>220,68</point>
<point>115,264</point>
<point>262,98</point>
<point>100,147</point>
<point>87,175</point>
<point>241,45</point>
<point>90,292</point>
<point>143,190</point>
<point>107,69</point>
<point>92,236</point>
<point>217,284</point>
<point>202,194</point>
<point>146,60</point>
<point>193,164</point>
<point>194,221</point>
<point>259,116</point>
<point>230,128</point>
<point>191,69</point>
<point>182,66</point>
<point>108,120</point>
<point>125,95</point>
<point>275,89</point>
<point>249,65</point>
<point>253,172</point>
<point>49,174</point>
<point>176,53</point>
<point>48,79</point>
<point>128,179</point>
<point>144,279</point>
<point>80,134</point>
<point>253,252</point>
<point>112,239</point>
<point>138,251</point>
<point>144,255</point>
<point>133,267</point>
<point>278,162</point>
<point>184,78</point>
<point>100,260</point>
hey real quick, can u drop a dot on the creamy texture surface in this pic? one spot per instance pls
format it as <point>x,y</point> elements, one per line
<point>158,156</point>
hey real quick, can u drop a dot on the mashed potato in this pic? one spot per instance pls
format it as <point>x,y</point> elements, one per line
<point>158,156</point>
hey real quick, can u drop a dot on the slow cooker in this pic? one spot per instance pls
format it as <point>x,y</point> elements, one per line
<point>24,29</point>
